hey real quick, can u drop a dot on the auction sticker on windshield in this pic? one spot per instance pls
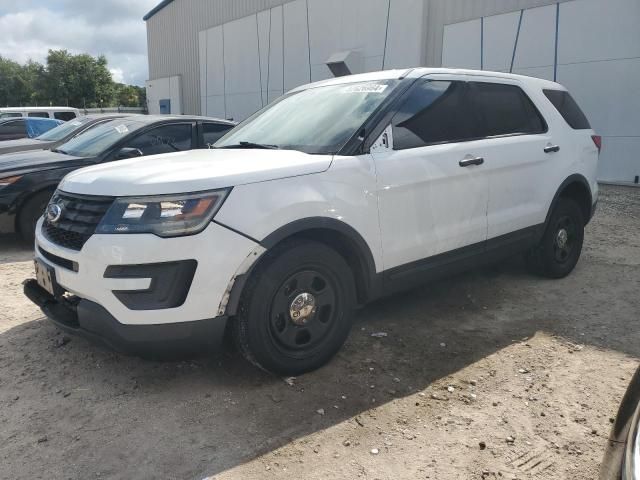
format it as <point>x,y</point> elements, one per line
<point>365,88</point>
<point>121,129</point>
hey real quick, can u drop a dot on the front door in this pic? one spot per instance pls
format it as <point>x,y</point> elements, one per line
<point>431,186</point>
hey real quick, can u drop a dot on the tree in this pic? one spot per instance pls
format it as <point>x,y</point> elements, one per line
<point>17,82</point>
<point>75,80</point>
<point>78,80</point>
<point>130,95</point>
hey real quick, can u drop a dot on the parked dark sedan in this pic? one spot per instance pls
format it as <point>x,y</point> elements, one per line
<point>56,136</point>
<point>622,460</point>
<point>27,179</point>
<point>14,128</point>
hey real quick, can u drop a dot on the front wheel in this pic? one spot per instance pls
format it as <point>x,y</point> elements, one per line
<point>559,250</point>
<point>29,214</point>
<point>296,310</point>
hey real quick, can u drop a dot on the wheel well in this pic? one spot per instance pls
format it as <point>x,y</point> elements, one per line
<point>580,193</point>
<point>349,250</point>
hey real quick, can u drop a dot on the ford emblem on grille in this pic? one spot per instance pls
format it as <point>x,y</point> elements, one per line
<point>54,212</point>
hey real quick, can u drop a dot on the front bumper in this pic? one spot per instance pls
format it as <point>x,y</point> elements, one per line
<point>92,272</point>
<point>92,321</point>
<point>140,293</point>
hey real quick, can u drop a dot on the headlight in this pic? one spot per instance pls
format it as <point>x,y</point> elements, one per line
<point>165,216</point>
<point>631,470</point>
<point>4,182</point>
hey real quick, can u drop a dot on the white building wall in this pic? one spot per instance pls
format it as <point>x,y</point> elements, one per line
<point>169,88</point>
<point>253,60</point>
<point>595,54</point>
<point>597,51</point>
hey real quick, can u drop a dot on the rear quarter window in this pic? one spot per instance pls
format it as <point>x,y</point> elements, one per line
<point>568,108</point>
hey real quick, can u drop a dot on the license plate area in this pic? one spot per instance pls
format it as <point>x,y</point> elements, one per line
<point>46,278</point>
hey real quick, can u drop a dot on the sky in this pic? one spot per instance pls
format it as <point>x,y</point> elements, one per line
<point>114,28</point>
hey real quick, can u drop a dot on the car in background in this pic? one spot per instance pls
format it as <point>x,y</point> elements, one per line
<point>622,458</point>
<point>59,113</point>
<point>15,128</point>
<point>56,136</point>
<point>28,179</point>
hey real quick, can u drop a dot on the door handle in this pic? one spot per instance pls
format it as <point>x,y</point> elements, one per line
<point>467,162</point>
<point>552,149</point>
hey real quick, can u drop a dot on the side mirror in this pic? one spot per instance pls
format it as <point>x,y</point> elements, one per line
<point>128,152</point>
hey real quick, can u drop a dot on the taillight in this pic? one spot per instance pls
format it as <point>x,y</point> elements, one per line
<point>597,139</point>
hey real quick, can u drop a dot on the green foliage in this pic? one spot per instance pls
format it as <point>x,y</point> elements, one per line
<point>80,81</point>
<point>130,95</point>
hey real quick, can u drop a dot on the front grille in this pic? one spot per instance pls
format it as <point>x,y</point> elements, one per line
<point>81,214</point>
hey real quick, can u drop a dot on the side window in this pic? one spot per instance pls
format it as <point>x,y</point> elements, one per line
<point>39,114</point>
<point>212,132</point>
<point>10,115</point>
<point>504,110</point>
<point>15,127</point>
<point>435,111</point>
<point>65,116</point>
<point>164,139</point>
<point>568,108</point>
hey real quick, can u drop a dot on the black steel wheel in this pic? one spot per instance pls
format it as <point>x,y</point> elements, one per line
<point>565,238</point>
<point>561,245</point>
<point>296,310</point>
<point>304,311</point>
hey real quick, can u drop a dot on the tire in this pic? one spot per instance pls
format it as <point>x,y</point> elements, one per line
<point>29,214</point>
<point>559,250</point>
<point>281,336</point>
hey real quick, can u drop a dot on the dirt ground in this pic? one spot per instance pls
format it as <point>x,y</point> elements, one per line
<point>490,375</point>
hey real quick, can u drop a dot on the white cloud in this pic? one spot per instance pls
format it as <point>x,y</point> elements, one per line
<point>117,75</point>
<point>113,28</point>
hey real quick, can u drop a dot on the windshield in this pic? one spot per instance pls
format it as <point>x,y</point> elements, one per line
<point>318,120</point>
<point>98,139</point>
<point>63,130</point>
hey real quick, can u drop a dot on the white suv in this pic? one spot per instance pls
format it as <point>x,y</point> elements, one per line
<point>336,194</point>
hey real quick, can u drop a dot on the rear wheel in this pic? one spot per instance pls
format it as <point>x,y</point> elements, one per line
<point>29,214</point>
<point>296,310</point>
<point>559,250</point>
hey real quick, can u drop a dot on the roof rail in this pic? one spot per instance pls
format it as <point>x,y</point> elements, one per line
<point>406,73</point>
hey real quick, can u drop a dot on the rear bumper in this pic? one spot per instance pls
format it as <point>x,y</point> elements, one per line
<point>92,321</point>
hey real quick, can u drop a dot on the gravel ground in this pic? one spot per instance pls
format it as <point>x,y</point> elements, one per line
<point>489,375</point>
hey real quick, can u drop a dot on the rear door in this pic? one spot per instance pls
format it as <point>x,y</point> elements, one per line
<point>513,138</point>
<point>432,190</point>
<point>13,130</point>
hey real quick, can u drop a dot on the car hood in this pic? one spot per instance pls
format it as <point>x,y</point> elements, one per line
<point>192,171</point>
<point>22,144</point>
<point>36,160</point>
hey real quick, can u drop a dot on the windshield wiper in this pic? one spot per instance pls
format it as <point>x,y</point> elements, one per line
<point>57,150</point>
<point>264,146</point>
